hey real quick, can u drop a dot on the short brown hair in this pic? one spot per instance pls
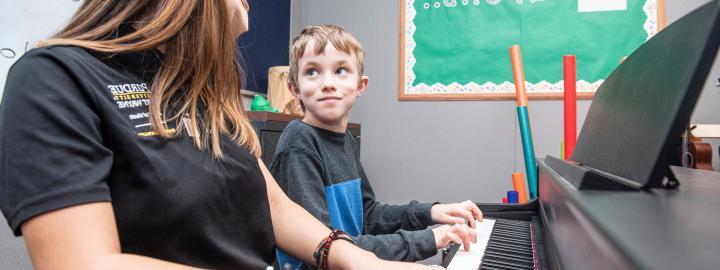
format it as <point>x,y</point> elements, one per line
<point>322,35</point>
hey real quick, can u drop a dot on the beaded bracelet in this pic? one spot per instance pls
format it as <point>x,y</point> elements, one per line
<point>323,249</point>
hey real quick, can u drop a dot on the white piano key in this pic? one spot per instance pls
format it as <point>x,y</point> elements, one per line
<point>467,260</point>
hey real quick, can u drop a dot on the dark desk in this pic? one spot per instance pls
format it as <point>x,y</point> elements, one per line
<point>270,125</point>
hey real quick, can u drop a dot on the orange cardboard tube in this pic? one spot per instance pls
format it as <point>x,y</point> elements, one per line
<point>518,75</point>
<point>519,186</point>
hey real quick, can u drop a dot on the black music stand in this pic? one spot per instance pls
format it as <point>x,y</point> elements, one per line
<point>639,112</point>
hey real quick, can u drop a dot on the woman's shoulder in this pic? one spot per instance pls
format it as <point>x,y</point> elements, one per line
<point>52,57</point>
<point>56,52</point>
<point>55,71</point>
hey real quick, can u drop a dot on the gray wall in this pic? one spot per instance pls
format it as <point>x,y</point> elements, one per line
<point>427,150</point>
<point>12,249</point>
<point>444,150</point>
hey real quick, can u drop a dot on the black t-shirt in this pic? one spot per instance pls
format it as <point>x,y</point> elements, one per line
<point>74,129</point>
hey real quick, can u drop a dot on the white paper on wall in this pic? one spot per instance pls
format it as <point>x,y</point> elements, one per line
<point>601,5</point>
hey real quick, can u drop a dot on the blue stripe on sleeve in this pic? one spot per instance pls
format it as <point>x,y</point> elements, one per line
<point>346,213</point>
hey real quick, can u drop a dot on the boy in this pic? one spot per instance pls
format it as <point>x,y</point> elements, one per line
<point>317,162</point>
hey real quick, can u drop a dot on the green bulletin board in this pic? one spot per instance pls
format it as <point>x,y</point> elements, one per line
<point>458,49</point>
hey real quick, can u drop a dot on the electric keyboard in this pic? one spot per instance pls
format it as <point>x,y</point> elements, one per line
<point>572,228</point>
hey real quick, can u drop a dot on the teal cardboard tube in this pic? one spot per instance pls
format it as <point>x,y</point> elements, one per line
<point>528,150</point>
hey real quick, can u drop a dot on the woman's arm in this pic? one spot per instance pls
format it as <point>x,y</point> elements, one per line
<point>82,237</point>
<point>298,233</point>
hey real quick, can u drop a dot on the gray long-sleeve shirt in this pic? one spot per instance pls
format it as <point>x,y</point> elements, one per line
<point>321,171</point>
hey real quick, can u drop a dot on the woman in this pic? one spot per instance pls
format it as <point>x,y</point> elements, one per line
<point>124,146</point>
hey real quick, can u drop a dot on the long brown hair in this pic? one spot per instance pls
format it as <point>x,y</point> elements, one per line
<point>200,62</point>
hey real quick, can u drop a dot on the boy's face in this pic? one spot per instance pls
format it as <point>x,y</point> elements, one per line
<point>328,85</point>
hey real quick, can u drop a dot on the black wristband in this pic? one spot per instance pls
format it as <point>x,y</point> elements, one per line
<point>321,252</point>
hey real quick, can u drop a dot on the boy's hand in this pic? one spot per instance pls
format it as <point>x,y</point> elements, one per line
<point>456,213</point>
<point>458,233</point>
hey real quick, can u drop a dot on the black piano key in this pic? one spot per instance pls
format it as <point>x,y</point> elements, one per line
<point>523,262</point>
<point>521,237</point>
<point>487,267</point>
<point>510,221</point>
<point>506,262</point>
<point>512,238</point>
<point>511,231</point>
<point>507,259</point>
<point>519,252</point>
<point>514,263</point>
<point>502,265</point>
<point>525,259</point>
<point>513,227</point>
<point>516,232</point>
<point>510,252</point>
<point>511,243</point>
<point>512,224</point>
<point>523,231</point>
<point>508,232</point>
<point>519,249</point>
<point>521,240</point>
<point>499,266</point>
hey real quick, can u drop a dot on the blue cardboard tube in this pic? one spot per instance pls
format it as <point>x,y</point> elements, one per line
<point>528,151</point>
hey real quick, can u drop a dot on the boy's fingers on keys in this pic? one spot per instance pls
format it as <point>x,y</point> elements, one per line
<point>457,220</point>
<point>472,222</point>
<point>469,219</point>
<point>444,237</point>
<point>465,233</point>
<point>472,207</point>
<point>471,234</point>
<point>477,213</point>
<point>463,216</point>
<point>457,239</point>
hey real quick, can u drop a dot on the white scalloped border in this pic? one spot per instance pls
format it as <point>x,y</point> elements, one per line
<point>650,26</point>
